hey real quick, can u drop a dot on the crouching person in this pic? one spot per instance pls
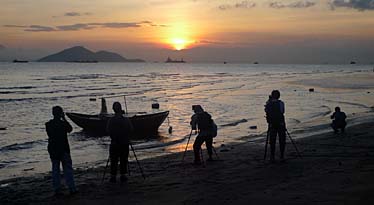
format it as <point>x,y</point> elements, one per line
<point>119,129</point>
<point>202,122</point>
<point>59,151</point>
<point>338,120</point>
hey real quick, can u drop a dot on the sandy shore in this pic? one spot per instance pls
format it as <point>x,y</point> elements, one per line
<point>335,169</point>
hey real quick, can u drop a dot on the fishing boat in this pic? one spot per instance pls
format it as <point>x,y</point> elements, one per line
<point>143,123</point>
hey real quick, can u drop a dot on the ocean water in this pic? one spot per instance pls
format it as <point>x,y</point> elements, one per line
<point>234,94</point>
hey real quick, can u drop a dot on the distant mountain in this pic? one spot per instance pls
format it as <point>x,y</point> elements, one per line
<point>2,47</point>
<point>82,54</point>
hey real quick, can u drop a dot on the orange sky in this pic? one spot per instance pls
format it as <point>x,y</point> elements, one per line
<point>181,24</point>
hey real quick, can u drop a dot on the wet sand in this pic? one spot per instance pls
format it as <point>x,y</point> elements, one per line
<point>334,169</point>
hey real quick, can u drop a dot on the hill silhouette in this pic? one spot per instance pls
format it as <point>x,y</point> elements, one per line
<point>82,54</point>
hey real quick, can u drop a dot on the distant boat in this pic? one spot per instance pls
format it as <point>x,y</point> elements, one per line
<point>19,61</point>
<point>224,62</point>
<point>353,62</point>
<point>255,62</point>
<point>169,60</point>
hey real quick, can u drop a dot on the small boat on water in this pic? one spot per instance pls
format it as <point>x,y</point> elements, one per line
<point>169,60</point>
<point>143,123</point>
<point>19,61</point>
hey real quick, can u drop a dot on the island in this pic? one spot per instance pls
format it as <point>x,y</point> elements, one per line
<point>80,54</point>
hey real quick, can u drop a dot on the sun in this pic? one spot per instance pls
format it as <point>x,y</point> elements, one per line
<point>179,43</point>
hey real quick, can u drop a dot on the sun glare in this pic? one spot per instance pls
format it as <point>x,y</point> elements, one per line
<point>179,43</point>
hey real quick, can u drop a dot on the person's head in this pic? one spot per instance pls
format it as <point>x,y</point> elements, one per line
<point>197,108</point>
<point>117,108</point>
<point>275,94</point>
<point>57,112</point>
<point>337,109</point>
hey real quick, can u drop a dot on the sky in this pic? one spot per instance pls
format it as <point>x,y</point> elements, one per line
<point>266,31</point>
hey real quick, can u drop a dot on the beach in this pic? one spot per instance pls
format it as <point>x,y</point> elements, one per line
<point>334,169</point>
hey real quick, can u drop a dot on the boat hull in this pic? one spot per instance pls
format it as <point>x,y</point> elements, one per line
<point>144,124</point>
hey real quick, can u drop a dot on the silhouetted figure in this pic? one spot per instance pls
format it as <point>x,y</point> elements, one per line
<point>275,109</point>
<point>59,151</point>
<point>338,120</point>
<point>120,130</point>
<point>202,122</point>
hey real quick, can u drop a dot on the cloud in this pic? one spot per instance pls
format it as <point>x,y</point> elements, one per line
<point>38,28</point>
<point>360,5</point>
<point>204,41</point>
<point>72,14</point>
<point>294,5</point>
<point>32,28</point>
<point>118,25</point>
<point>85,26</point>
<point>74,27</point>
<point>15,26</point>
<point>240,5</point>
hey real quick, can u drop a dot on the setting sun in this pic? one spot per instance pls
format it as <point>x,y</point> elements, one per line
<point>179,43</point>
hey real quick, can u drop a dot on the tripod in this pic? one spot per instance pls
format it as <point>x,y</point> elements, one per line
<point>106,167</point>
<point>128,166</point>
<point>215,152</point>
<point>137,161</point>
<point>185,150</point>
<point>266,143</point>
<point>289,136</point>
<point>297,151</point>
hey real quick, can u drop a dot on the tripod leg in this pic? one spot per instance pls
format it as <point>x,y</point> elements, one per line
<point>215,152</point>
<point>128,167</point>
<point>293,143</point>
<point>266,144</point>
<point>185,150</point>
<point>137,161</point>
<point>202,157</point>
<point>106,167</point>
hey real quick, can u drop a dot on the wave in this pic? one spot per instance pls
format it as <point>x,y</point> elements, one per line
<point>79,77</point>
<point>19,87</point>
<point>350,103</point>
<point>21,146</point>
<point>3,164</point>
<point>234,123</point>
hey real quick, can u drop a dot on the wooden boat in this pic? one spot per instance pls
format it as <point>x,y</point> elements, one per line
<point>144,123</point>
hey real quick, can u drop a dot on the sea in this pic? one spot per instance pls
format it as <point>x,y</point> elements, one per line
<point>234,94</point>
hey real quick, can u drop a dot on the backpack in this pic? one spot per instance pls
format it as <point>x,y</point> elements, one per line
<point>273,113</point>
<point>205,122</point>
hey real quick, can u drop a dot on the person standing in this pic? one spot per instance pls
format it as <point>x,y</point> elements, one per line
<point>59,150</point>
<point>275,110</point>
<point>119,129</point>
<point>202,122</point>
<point>338,120</point>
